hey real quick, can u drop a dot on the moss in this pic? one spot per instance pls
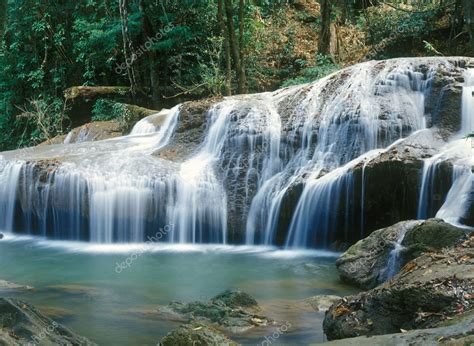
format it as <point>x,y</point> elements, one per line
<point>195,334</point>
<point>235,299</point>
<point>433,235</point>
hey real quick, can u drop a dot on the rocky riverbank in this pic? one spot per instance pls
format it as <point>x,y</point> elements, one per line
<point>433,290</point>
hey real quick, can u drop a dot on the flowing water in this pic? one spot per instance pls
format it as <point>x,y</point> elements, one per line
<point>271,169</point>
<point>459,151</point>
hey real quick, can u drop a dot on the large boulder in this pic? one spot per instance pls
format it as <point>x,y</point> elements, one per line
<point>427,291</point>
<point>376,258</point>
<point>22,324</point>
<point>364,264</point>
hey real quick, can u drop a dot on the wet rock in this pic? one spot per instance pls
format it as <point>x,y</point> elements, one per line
<point>323,302</point>
<point>426,292</point>
<point>195,334</point>
<point>234,311</point>
<point>190,130</point>
<point>365,264</point>
<point>21,324</point>
<point>392,182</point>
<point>95,131</point>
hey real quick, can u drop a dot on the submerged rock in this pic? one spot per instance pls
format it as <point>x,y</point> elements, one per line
<point>323,302</point>
<point>367,263</point>
<point>8,286</point>
<point>196,334</point>
<point>429,290</point>
<point>232,310</point>
<point>22,324</point>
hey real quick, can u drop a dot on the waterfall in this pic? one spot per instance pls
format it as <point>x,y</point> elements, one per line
<point>9,176</point>
<point>354,129</point>
<point>105,197</point>
<point>458,199</point>
<point>461,153</point>
<point>393,262</point>
<point>425,202</point>
<point>150,124</point>
<point>274,168</point>
<point>468,103</point>
<point>199,206</point>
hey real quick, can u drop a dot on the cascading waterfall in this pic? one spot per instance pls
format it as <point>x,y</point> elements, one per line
<point>461,153</point>
<point>356,129</point>
<point>8,187</point>
<point>393,262</point>
<point>458,199</point>
<point>288,155</point>
<point>199,206</point>
<point>103,197</point>
<point>425,203</point>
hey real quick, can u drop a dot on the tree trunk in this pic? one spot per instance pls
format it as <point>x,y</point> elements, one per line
<point>468,7</point>
<point>3,18</point>
<point>154,77</point>
<point>225,35</point>
<point>127,46</point>
<point>325,32</point>
<point>234,47</point>
<point>241,43</point>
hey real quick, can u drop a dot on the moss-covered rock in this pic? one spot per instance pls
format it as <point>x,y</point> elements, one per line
<point>431,235</point>
<point>196,334</point>
<point>235,299</point>
<point>232,310</point>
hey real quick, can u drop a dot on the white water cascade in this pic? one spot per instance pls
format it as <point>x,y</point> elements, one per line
<point>270,168</point>
<point>460,153</point>
<point>8,186</point>
<point>354,129</point>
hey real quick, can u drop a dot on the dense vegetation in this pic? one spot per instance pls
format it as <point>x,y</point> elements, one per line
<point>173,50</point>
